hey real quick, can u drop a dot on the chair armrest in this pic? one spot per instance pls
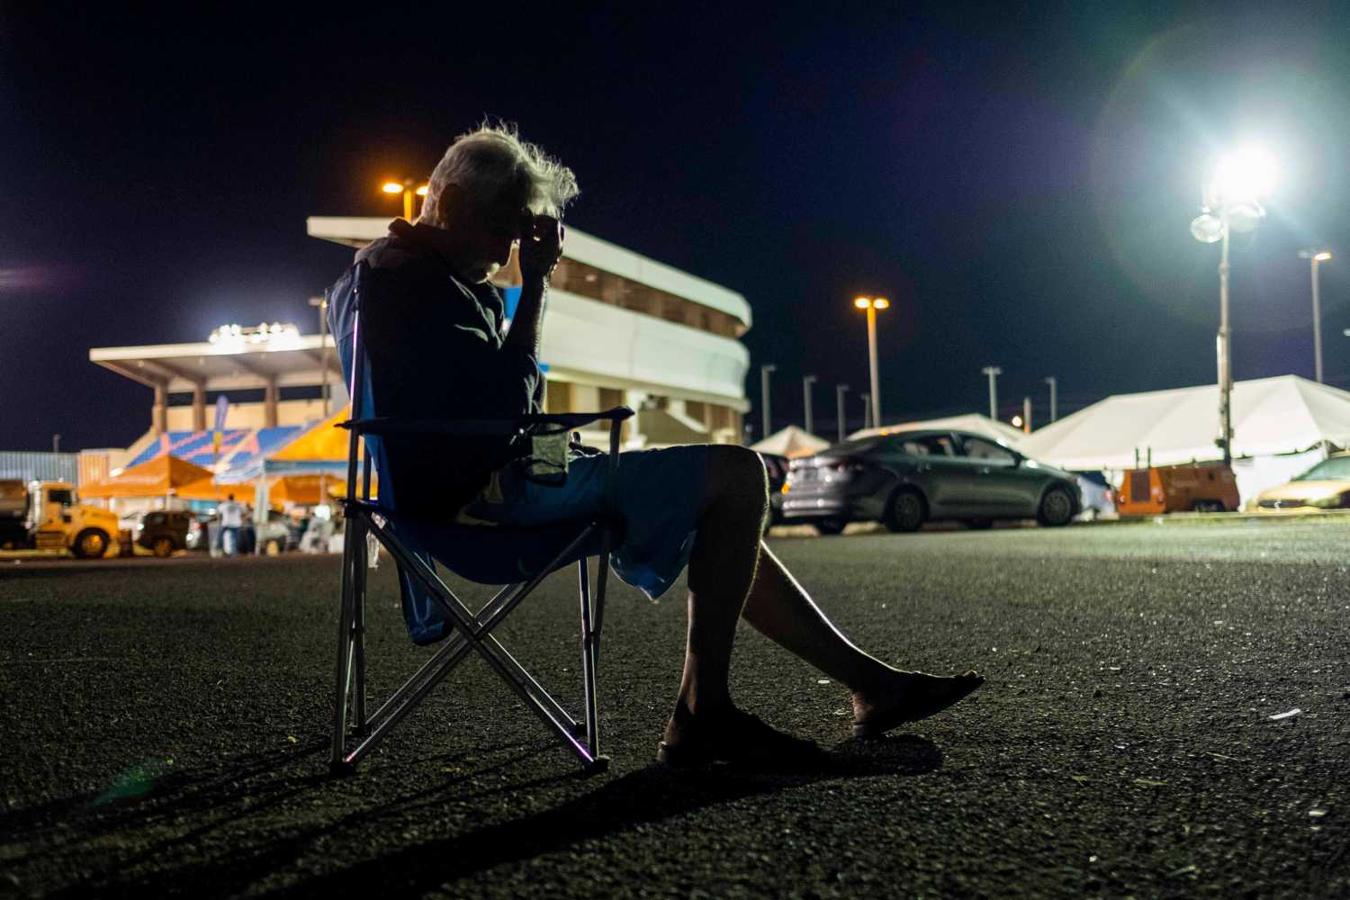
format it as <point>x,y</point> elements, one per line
<point>482,427</point>
<point>577,419</point>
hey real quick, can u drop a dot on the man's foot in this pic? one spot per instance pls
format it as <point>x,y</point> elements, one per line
<point>731,736</point>
<point>913,696</point>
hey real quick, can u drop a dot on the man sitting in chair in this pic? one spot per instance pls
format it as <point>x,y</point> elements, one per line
<point>438,347</point>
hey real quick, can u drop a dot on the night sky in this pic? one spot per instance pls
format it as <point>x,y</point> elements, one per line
<point>1018,179</point>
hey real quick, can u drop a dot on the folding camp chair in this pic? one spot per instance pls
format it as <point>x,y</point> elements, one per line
<point>517,558</point>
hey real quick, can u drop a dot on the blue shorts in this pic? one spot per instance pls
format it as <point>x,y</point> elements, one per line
<point>656,496</point>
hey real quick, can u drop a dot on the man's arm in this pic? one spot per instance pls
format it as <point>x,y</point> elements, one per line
<point>540,249</point>
<point>527,324</point>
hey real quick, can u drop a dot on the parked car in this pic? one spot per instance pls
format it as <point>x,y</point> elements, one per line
<point>1098,497</point>
<point>907,478</point>
<point>776,468</point>
<point>277,533</point>
<point>162,532</point>
<point>1324,486</point>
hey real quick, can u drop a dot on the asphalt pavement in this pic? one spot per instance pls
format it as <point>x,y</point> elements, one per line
<point>1167,713</point>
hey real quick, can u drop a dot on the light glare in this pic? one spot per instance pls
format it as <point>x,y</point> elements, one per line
<point>392,187</point>
<point>1247,175</point>
<point>422,191</point>
<point>862,302</point>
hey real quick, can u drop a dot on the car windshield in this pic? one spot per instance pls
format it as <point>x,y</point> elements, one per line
<point>1334,469</point>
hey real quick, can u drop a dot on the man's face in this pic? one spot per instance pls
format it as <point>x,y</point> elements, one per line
<point>483,234</point>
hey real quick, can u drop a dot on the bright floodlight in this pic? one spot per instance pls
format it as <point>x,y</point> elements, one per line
<point>881,303</point>
<point>1323,256</point>
<point>422,191</point>
<point>392,187</point>
<point>863,302</point>
<point>1246,175</point>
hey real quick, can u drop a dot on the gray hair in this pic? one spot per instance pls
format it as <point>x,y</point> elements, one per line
<point>491,162</point>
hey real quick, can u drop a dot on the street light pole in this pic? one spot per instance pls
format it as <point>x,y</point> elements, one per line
<point>1054,399</point>
<point>839,391</point>
<point>1231,202</point>
<point>409,189</point>
<point>764,372</point>
<point>993,372</point>
<point>1225,359</point>
<point>1316,258</point>
<point>807,381</point>
<point>867,410</point>
<point>872,304</point>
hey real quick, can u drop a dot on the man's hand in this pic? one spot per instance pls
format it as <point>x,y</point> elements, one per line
<point>540,247</point>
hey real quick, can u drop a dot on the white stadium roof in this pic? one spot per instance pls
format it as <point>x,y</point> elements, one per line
<point>288,360</point>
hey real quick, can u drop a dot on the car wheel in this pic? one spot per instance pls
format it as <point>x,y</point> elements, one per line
<point>162,547</point>
<point>1056,507</point>
<point>90,543</point>
<point>906,511</point>
<point>979,524</point>
<point>830,526</point>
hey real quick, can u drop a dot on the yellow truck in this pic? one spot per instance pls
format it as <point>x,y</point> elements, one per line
<point>46,515</point>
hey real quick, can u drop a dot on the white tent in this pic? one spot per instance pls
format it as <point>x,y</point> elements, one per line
<point>972,422</point>
<point>791,442</point>
<point>1271,417</point>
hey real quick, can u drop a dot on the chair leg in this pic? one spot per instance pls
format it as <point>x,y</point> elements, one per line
<point>588,659</point>
<point>494,654</point>
<point>359,572</point>
<point>346,618</point>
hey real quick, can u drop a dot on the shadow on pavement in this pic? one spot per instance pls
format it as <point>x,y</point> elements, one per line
<point>216,832</point>
<point>643,797</point>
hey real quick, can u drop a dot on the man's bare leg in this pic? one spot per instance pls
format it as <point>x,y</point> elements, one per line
<point>883,696</point>
<point>728,565</point>
<point>721,570</point>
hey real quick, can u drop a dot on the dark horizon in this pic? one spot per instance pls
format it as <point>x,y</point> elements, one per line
<point>1018,185</point>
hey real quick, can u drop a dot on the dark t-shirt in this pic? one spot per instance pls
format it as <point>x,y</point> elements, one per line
<point>436,351</point>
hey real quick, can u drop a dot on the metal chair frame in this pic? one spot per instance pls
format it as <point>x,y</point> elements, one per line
<point>356,731</point>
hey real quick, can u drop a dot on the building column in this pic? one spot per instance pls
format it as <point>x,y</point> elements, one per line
<point>270,404</point>
<point>159,413</point>
<point>199,407</point>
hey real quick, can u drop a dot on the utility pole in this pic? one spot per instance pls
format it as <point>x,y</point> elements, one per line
<point>993,372</point>
<point>1054,399</point>
<point>839,391</point>
<point>1315,258</point>
<point>764,372</point>
<point>1026,415</point>
<point>867,410</point>
<point>321,303</point>
<point>56,443</point>
<point>807,381</point>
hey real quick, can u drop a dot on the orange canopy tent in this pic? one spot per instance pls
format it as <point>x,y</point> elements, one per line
<point>306,490</point>
<point>324,444</point>
<point>158,477</point>
<point>208,489</point>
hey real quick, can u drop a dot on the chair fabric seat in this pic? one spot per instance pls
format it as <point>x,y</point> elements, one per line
<point>494,555</point>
